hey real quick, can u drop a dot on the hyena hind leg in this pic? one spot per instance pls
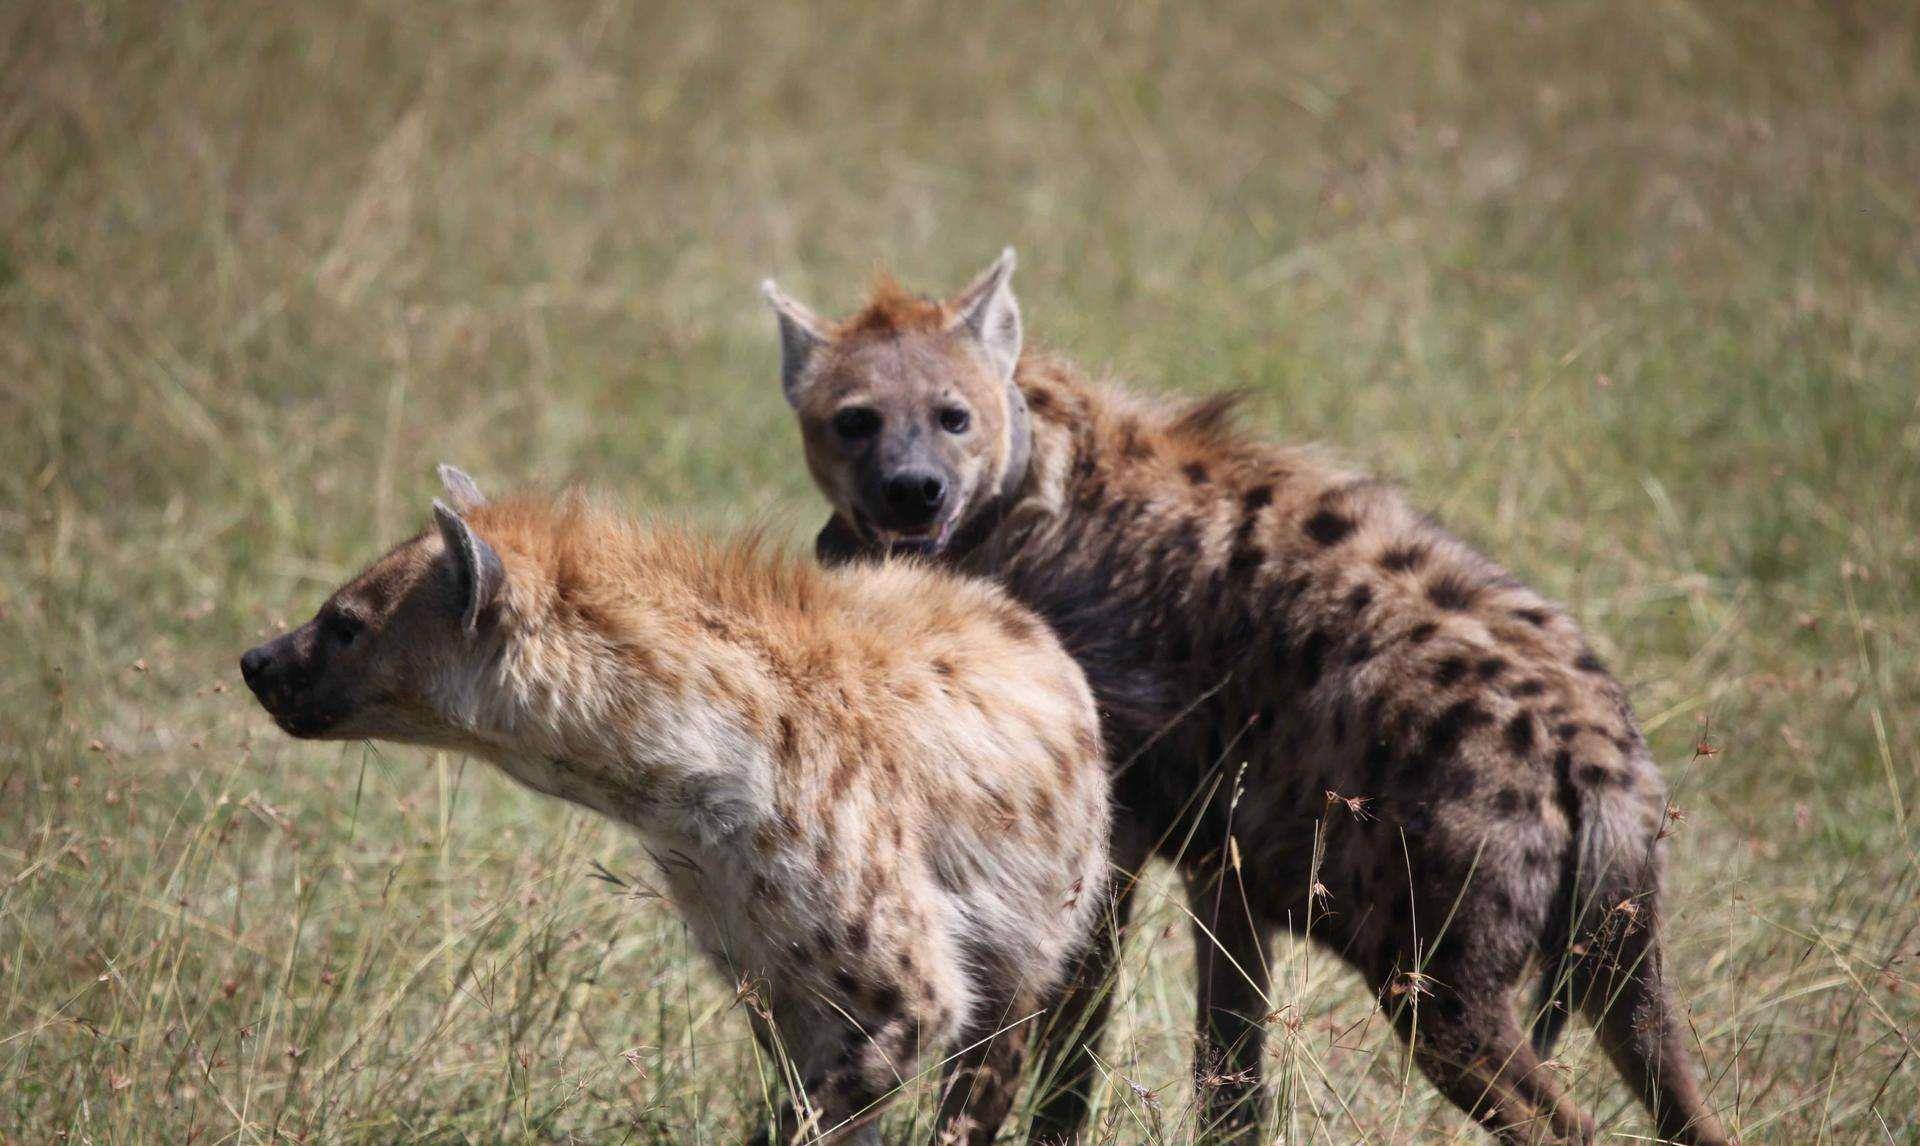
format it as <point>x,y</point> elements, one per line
<point>847,1082</point>
<point>984,1077</point>
<point>1621,986</point>
<point>1472,1048</point>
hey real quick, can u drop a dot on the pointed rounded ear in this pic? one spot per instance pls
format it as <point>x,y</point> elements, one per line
<point>477,571</point>
<point>801,333</point>
<point>462,490</point>
<point>988,310</point>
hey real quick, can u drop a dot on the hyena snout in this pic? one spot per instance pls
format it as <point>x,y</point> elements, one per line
<point>269,669</point>
<point>284,677</point>
<point>914,497</point>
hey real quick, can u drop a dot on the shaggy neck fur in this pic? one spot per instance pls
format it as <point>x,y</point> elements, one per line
<point>594,682</point>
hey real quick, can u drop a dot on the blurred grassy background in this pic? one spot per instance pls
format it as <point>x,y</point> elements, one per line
<point>1628,293</point>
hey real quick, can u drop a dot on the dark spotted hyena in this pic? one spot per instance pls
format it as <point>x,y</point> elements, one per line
<point>1437,776</point>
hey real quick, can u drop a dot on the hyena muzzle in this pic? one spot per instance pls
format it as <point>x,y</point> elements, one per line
<point>1334,717</point>
<point>883,791</point>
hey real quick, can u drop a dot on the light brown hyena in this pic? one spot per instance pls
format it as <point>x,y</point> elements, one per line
<point>1440,780</point>
<point>883,790</point>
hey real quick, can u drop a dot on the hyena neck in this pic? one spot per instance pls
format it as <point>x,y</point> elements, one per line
<point>1050,450</point>
<point>1014,482</point>
<point>569,711</point>
<point>1088,545</point>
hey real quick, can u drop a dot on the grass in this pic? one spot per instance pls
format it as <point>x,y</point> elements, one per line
<point>1626,293</point>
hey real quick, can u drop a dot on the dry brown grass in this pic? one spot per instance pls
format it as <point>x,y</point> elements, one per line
<point>1626,292</point>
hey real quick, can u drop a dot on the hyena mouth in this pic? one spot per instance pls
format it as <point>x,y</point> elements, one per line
<point>926,542</point>
<point>304,723</point>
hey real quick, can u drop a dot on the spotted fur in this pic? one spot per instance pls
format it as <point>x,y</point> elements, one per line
<point>878,796</point>
<point>1338,719</point>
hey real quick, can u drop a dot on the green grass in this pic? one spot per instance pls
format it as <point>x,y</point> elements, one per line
<point>1629,294</point>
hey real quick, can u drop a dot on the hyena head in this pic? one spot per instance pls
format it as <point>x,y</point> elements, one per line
<point>910,416</point>
<point>371,662</point>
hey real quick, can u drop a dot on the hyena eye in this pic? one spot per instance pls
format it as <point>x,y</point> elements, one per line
<point>856,422</point>
<point>955,420</point>
<point>341,629</point>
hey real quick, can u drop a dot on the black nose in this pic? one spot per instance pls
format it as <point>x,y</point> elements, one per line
<point>914,497</point>
<point>253,665</point>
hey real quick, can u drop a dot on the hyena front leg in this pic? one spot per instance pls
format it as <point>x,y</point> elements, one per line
<point>1231,950</point>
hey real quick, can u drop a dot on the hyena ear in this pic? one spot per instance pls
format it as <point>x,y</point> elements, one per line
<point>801,333</point>
<point>462,490</point>
<point>988,309</point>
<point>476,567</point>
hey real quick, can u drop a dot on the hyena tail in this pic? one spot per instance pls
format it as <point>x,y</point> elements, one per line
<point>1605,958</point>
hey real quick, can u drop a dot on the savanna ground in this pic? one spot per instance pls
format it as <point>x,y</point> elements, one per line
<point>1630,295</point>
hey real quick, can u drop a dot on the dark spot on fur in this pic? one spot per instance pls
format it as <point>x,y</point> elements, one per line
<point>1405,557</point>
<point>1362,650</point>
<point>1312,659</point>
<point>1196,473</point>
<point>1520,734</point>
<point>1418,820</point>
<point>1283,596</point>
<point>786,737</point>
<point>1043,809</point>
<point>1452,591</point>
<point>1598,776</point>
<point>1490,667</point>
<point>857,936</point>
<point>1378,758</point>
<point>886,999</point>
<point>1257,498</point>
<point>1422,633</point>
<point>1456,783</point>
<point>1245,557</point>
<point>1329,528</point>
<point>1449,671</point>
<point>1566,730</point>
<point>1452,725</point>
<point>1588,662</point>
<point>1359,598</point>
<point>1017,625</point>
<point>943,666</point>
<point>1535,617</point>
<point>1529,688</point>
<point>845,983</point>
